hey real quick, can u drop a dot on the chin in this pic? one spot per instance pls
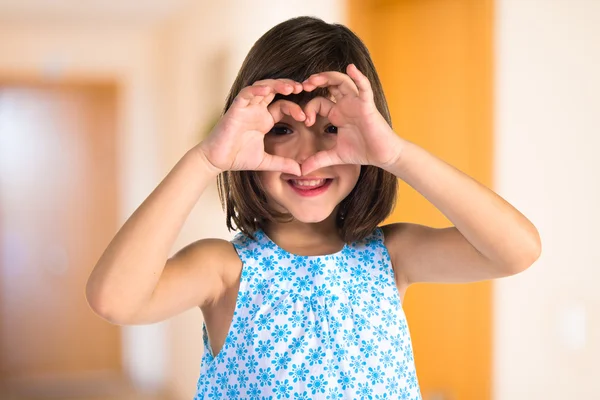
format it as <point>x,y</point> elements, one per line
<point>310,217</point>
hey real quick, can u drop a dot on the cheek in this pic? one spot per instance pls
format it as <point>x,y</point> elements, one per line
<point>351,173</point>
<point>279,146</point>
<point>271,183</point>
<point>267,178</point>
<point>329,142</point>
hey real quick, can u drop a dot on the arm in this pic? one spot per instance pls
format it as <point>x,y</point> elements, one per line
<point>198,275</point>
<point>126,275</point>
<point>133,282</point>
<point>490,239</point>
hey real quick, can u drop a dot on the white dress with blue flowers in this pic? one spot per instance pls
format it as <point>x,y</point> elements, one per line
<point>313,327</point>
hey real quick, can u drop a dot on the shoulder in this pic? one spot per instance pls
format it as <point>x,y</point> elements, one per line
<point>402,231</point>
<point>436,255</point>
<point>198,275</point>
<point>214,258</point>
<point>401,240</point>
<point>207,250</point>
<point>405,234</point>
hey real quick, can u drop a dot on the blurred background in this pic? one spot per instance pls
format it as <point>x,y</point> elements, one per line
<point>99,99</point>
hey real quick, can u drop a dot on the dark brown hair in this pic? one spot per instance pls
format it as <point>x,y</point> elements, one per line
<point>296,49</point>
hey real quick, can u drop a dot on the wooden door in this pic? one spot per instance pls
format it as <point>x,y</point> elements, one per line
<point>434,58</point>
<point>58,211</point>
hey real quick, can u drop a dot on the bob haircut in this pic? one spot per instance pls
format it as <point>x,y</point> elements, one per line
<point>296,49</point>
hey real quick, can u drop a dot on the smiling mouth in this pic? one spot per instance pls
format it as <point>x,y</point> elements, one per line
<point>308,184</point>
<point>310,187</point>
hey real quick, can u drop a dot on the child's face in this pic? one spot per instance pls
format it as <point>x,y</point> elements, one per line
<point>311,198</point>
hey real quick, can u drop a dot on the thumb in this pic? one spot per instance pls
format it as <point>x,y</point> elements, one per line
<point>319,160</point>
<point>279,164</point>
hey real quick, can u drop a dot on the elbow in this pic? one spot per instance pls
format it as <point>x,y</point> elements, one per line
<point>534,250</point>
<point>527,256</point>
<point>104,306</point>
<point>100,306</point>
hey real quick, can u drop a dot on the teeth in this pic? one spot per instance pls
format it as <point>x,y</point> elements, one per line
<point>307,183</point>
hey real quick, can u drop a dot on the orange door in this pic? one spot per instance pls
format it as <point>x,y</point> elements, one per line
<point>434,58</point>
<point>58,199</point>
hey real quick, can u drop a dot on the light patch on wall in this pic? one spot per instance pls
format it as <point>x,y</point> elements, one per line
<point>572,326</point>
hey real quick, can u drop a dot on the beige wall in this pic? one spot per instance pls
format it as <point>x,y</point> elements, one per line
<point>547,320</point>
<point>127,56</point>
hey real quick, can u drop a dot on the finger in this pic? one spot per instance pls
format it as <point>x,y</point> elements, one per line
<point>284,80</point>
<point>297,86</point>
<point>283,86</point>
<point>260,99</point>
<point>279,164</point>
<point>277,86</point>
<point>331,78</point>
<point>269,98</point>
<point>281,108</point>
<point>361,81</point>
<point>317,106</point>
<point>335,92</point>
<point>247,94</point>
<point>320,160</point>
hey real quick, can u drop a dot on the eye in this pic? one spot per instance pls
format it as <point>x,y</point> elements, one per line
<point>280,130</point>
<point>331,129</point>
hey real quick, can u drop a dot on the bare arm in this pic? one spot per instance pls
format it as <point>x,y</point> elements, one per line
<point>198,275</point>
<point>128,272</point>
<point>490,239</point>
<point>133,282</point>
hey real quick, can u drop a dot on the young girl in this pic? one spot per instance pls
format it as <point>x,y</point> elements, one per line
<point>305,302</point>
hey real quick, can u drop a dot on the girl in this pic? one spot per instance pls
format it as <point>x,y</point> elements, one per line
<point>305,302</point>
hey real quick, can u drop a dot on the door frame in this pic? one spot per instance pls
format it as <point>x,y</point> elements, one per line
<point>83,383</point>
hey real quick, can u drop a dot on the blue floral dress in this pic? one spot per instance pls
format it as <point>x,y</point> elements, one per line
<point>313,327</point>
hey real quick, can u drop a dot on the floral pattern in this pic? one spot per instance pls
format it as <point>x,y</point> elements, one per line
<point>306,327</point>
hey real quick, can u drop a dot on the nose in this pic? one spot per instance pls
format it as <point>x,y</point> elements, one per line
<point>308,145</point>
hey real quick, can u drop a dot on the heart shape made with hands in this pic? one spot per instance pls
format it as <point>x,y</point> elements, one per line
<point>364,136</point>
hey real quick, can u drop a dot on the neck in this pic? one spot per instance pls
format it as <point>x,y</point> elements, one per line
<point>300,237</point>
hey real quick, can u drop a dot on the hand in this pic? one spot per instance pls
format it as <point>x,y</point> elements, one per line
<point>364,137</point>
<point>237,141</point>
